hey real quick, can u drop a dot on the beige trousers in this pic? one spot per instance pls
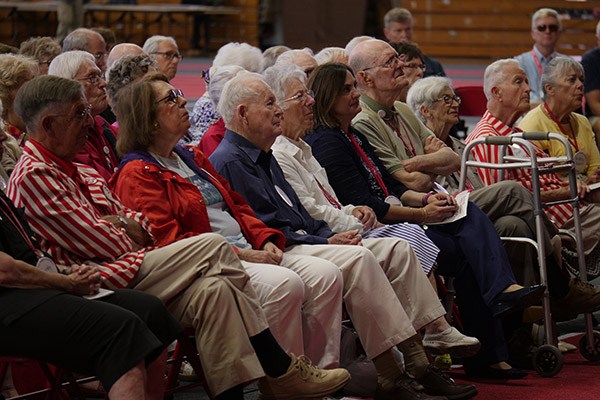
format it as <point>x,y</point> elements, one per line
<point>204,285</point>
<point>373,299</point>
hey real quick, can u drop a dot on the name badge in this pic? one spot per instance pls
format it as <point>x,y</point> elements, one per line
<point>47,265</point>
<point>580,161</point>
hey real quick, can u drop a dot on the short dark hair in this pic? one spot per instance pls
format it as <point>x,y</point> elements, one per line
<point>138,114</point>
<point>327,82</point>
<point>410,50</point>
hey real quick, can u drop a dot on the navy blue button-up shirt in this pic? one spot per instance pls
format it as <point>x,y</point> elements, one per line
<point>257,176</point>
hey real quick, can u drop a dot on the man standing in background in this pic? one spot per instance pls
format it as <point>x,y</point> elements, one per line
<point>70,17</point>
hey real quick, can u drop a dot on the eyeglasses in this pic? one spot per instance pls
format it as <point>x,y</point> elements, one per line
<point>169,55</point>
<point>47,62</point>
<point>549,28</point>
<point>172,97</point>
<point>92,78</point>
<point>79,115</point>
<point>301,97</point>
<point>448,99</point>
<point>415,66</point>
<point>392,62</point>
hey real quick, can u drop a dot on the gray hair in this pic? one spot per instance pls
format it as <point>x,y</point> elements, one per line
<point>558,67</point>
<point>44,93</point>
<point>246,56</point>
<point>424,92</point>
<point>237,91</point>
<point>271,54</point>
<point>494,74</point>
<point>355,41</point>
<point>66,65</point>
<point>278,77</point>
<point>153,42</point>
<point>78,39</point>
<point>397,14</point>
<point>545,12</point>
<point>290,55</point>
<point>126,70</point>
<point>331,54</point>
<point>219,79</point>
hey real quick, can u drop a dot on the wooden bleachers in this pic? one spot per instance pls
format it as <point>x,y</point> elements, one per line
<point>236,20</point>
<point>493,29</point>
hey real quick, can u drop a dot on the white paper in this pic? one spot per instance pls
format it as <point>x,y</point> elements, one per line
<point>101,293</point>
<point>461,200</point>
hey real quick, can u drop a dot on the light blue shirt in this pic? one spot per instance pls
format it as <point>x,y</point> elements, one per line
<point>530,67</point>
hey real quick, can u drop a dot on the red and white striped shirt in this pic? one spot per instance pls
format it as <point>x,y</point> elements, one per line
<point>491,126</point>
<point>64,204</point>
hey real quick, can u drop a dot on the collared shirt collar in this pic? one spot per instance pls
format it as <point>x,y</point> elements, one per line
<point>542,58</point>
<point>68,167</point>
<point>244,144</point>
<point>382,111</point>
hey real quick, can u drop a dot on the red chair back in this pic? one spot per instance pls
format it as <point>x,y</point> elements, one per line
<point>473,100</point>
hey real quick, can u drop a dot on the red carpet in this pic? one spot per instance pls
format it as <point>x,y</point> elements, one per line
<point>579,379</point>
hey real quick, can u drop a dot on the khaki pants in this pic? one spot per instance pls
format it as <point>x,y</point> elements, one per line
<point>203,284</point>
<point>373,304</point>
<point>70,17</point>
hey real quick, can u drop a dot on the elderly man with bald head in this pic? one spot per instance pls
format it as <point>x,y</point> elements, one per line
<point>253,120</point>
<point>121,50</point>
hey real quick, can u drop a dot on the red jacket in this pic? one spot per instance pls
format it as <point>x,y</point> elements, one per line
<point>175,207</point>
<point>98,151</point>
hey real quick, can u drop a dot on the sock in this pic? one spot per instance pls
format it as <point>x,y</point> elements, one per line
<point>387,368</point>
<point>235,393</point>
<point>558,280</point>
<point>274,361</point>
<point>415,359</point>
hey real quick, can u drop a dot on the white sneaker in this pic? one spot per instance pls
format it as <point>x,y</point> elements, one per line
<point>451,341</point>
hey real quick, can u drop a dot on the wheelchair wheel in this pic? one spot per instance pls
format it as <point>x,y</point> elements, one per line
<point>592,354</point>
<point>547,360</point>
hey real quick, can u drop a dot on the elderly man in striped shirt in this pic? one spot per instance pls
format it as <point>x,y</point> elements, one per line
<point>507,90</point>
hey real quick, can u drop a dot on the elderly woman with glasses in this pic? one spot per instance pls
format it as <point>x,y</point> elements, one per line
<point>180,192</point>
<point>562,83</point>
<point>99,151</point>
<point>42,49</point>
<point>414,65</point>
<point>164,50</point>
<point>470,248</point>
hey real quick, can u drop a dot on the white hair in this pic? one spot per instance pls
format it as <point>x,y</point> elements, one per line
<point>290,55</point>
<point>218,79</point>
<point>153,42</point>
<point>354,41</point>
<point>278,77</point>
<point>424,92</point>
<point>332,54</point>
<point>545,12</point>
<point>494,74</point>
<point>237,91</point>
<point>558,67</point>
<point>66,65</point>
<point>242,54</point>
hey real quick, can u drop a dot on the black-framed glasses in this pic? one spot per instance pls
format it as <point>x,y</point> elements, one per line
<point>169,55</point>
<point>93,79</point>
<point>172,97</point>
<point>550,28</point>
<point>45,62</point>
<point>448,99</point>
<point>415,66</point>
<point>392,62</point>
<point>301,96</point>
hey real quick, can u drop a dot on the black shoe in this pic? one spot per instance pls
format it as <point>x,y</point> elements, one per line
<point>404,388</point>
<point>495,373</point>
<point>505,303</point>
<point>439,383</point>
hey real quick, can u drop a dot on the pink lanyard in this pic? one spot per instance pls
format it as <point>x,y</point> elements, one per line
<point>328,196</point>
<point>555,120</point>
<point>368,163</point>
<point>410,149</point>
<point>15,222</point>
<point>537,62</point>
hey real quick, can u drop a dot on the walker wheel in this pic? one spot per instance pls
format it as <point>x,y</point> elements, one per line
<point>547,360</point>
<point>592,354</point>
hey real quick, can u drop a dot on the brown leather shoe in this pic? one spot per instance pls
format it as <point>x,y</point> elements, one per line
<point>582,298</point>
<point>302,380</point>
<point>439,383</point>
<point>403,388</point>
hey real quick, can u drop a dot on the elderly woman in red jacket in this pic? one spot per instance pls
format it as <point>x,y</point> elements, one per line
<point>178,190</point>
